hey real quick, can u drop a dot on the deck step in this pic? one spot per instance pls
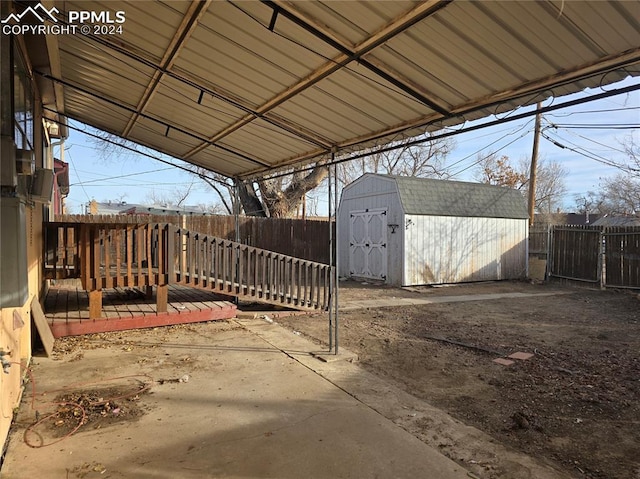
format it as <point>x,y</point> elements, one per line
<point>67,309</point>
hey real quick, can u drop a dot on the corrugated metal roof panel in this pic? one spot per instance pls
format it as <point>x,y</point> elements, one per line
<point>350,105</point>
<point>213,155</point>
<point>150,27</point>
<point>245,58</point>
<point>264,141</point>
<point>174,142</point>
<point>353,21</point>
<point>87,109</point>
<point>108,73</point>
<point>618,22</point>
<point>173,102</point>
<point>331,74</point>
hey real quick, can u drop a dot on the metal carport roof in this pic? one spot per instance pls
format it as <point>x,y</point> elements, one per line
<point>243,87</point>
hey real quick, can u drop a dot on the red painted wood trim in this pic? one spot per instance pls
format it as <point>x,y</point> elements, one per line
<point>75,328</point>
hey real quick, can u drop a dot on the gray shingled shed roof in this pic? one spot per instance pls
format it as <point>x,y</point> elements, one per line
<point>423,196</point>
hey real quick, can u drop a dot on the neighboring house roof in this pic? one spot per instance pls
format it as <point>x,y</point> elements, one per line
<point>123,208</point>
<point>617,221</point>
<point>580,219</point>
<point>425,196</point>
<point>106,208</point>
<point>162,210</point>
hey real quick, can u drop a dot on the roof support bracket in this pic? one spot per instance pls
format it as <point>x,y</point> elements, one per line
<point>274,17</point>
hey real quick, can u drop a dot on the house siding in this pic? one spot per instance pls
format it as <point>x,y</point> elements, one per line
<point>21,256</point>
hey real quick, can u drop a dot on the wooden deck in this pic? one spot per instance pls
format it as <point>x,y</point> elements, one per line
<point>67,309</point>
<point>114,256</point>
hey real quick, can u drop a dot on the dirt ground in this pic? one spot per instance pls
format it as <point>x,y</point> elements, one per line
<point>575,403</point>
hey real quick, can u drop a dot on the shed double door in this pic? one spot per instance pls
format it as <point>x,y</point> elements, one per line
<point>368,244</point>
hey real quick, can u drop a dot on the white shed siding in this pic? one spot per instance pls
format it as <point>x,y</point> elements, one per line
<point>444,249</point>
<point>371,193</point>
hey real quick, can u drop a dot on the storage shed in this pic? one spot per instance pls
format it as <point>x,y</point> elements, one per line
<point>412,231</point>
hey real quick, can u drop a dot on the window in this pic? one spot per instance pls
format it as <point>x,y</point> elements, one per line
<point>22,105</point>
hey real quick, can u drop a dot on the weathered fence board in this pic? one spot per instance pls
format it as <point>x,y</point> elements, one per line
<point>609,256</point>
<point>307,239</point>
<point>539,239</point>
<point>622,256</point>
<point>575,253</point>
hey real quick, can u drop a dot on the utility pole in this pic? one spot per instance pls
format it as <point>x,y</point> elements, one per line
<point>534,166</point>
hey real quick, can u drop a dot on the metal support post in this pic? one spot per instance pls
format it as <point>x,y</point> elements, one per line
<point>236,214</point>
<point>331,278</point>
<point>336,282</point>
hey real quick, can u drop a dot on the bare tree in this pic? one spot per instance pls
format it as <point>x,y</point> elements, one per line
<point>221,185</point>
<point>550,181</point>
<point>551,188</point>
<point>280,197</point>
<point>618,194</point>
<point>176,198</point>
<point>631,147</point>
<point>283,195</point>
<point>267,197</point>
<point>497,170</point>
<point>424,160</point>
<point>112,148</point>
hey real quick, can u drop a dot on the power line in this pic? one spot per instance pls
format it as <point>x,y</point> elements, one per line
<point>73,165</point>
<point>601,126</point>
<point>137,185</point>
<point>125,176</point>
<point>148,155</point>
<point>479,160</point>
<point>590,155</point>
<point>519,116</point>
<point>513,132</point>
<point>605,110</point>
<point>594,141</point>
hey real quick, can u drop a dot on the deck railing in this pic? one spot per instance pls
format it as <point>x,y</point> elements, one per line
<point>148,255</point>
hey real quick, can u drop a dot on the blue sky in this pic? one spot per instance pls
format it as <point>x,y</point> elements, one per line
<point>593,130</point>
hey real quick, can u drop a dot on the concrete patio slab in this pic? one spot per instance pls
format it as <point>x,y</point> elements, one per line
<point>248,410</point>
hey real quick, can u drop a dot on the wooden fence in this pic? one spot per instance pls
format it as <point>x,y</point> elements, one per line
<point>113,255</point>
<point>539,235</point>
<point>604,256</point>
<point>622,256</point>
<point>306,239</point>
<point>575,253</point>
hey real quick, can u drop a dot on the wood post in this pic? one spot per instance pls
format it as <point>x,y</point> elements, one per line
<point>162,294</point>
<point>95,304</point>
<point>172,256</point>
